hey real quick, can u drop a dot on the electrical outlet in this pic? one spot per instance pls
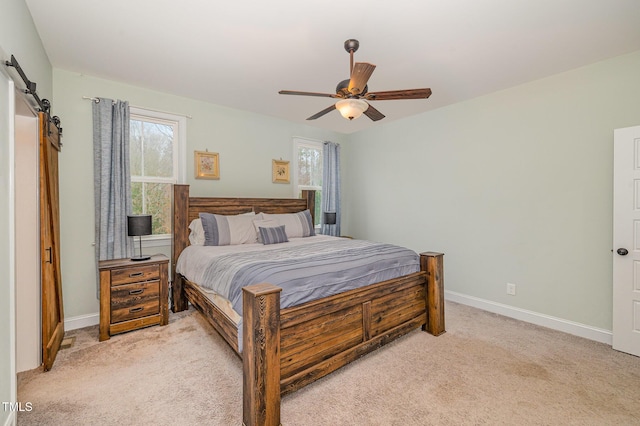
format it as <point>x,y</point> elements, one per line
<point>511,289</point>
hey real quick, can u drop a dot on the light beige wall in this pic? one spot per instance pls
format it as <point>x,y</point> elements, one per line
<point>18,37</point>
<point>246,142</point>
<point>515,186</point>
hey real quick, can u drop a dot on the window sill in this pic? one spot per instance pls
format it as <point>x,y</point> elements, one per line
<point>154,241</point>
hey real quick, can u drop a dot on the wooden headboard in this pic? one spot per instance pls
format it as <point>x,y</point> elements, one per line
<point>186,208</point>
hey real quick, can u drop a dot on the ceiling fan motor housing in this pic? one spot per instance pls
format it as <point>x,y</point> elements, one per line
<point>343,89</point>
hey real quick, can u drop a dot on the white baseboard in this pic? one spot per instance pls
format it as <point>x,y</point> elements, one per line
<point>81,321</point>
<point>577,329</point>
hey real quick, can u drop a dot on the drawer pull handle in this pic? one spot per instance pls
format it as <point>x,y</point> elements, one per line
<point>134,310</point>
<point>136,274</point>
<point>133,292</point>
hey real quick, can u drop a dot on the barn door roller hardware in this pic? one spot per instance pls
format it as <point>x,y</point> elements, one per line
<point>30,89</point>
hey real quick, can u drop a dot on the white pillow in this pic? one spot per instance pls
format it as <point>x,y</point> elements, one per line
<point>220,230</point>
<point>197,237</point>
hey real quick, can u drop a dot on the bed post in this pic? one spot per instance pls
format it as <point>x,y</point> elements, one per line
<point>261,355</point>
<point>180,242</point>
<point>310,196</point>
<point>432,263</point>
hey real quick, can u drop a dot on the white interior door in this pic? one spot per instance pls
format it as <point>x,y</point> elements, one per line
<point>626,240</point>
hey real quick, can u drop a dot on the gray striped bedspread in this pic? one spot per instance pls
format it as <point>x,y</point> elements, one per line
<point>306,268</point>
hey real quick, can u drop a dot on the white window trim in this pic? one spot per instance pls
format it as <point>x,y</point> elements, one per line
<point>179,158</point>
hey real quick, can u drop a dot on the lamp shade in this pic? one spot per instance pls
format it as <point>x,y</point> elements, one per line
<point>329,218</point>
<point>351,108</point>
<point>139,224</point>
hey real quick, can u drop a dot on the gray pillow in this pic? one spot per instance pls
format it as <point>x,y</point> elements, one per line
<point>220,230</point>
<point>298,224</point>
<point>273,235</point>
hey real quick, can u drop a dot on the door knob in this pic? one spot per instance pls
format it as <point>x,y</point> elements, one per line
<point>622,251</point>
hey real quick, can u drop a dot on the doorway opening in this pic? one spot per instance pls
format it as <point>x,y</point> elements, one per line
<point>27,232</point>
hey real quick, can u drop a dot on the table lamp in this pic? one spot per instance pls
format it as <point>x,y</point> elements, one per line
<point>329,218</point>
<point>139,225</point>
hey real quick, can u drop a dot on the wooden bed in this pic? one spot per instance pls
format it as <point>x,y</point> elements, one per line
<point>286,349</point>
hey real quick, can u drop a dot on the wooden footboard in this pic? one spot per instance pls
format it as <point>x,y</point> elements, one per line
<point>284,350</point>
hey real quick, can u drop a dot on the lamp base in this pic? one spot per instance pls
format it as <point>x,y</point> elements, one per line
<point>142,256</point>
<point>138,258</point>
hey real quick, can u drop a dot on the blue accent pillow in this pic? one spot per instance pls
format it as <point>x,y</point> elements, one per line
<point>273,235</point>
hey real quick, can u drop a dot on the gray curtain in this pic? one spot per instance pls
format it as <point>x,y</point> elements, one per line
<point>112,178</point>
<point>331,186</point>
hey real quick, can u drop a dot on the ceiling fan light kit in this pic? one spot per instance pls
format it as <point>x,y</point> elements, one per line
<point>351,108</point>
<point>354,92</point>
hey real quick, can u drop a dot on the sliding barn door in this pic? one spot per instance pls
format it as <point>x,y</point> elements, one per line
<point>52,312</point>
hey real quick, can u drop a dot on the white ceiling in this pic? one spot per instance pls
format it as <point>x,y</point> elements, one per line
<point>240,53</point>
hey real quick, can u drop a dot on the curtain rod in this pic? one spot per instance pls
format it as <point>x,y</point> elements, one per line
<point>97,100</point>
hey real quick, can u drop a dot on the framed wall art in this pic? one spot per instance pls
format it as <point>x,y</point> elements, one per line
<point>207,165</point>
<point>280,171</point>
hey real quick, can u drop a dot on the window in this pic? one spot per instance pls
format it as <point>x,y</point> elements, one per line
<point>308,170</point>
<point>157,143</point>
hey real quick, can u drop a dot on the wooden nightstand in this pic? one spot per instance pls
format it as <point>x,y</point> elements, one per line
<point>133,294</point>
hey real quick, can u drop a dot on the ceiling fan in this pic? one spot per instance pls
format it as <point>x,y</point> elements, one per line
<point>354,93</point>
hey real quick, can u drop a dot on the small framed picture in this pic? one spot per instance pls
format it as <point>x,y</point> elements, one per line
<point>280,171</point>
<point>207,165</point>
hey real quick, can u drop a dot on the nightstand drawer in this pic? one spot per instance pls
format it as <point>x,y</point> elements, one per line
<point>134,274</point>
<point>135,300</point>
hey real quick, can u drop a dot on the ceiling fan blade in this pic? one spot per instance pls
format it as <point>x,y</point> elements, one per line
<point>399,94</point>
<point>323,112</point>
<point>359,76</point>
<point>373,113</point>
<point>322,95</point>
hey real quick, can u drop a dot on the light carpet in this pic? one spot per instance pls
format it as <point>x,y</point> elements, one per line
<point>486,370</point>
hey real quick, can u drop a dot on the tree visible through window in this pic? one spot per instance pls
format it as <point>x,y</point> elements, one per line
<point>153,153</point>
<point>308,155</point>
